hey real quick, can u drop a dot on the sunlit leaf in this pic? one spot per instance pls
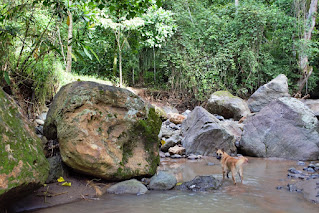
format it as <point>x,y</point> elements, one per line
<point>61,179</point>
<point>66,184</point>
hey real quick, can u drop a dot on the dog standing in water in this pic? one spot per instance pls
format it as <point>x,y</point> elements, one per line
<point>230,164</point>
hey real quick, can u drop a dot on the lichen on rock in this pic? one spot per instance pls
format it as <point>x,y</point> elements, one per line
<point>104,131</point>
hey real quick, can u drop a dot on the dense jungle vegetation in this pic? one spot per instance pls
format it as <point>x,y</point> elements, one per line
<point>188,48</point>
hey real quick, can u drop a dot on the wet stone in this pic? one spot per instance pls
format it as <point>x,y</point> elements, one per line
<point>300,163</point>
<point>294,171</point>
<point>310,170</point>
<point>176,156</point>
<point>279,187</point>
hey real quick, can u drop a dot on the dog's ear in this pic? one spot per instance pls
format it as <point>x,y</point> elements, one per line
<point>216,149</point>
<point>223,150</point>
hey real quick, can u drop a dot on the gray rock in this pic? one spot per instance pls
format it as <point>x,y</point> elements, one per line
<point>300,163</point>
<point>229,106</point>
<point>308,189</point>
<point>132,186</point>
<point>56,169</point>
<point>200,183</point>
<point>276,88</point>
<point>162,181</point>
<point>285,128</point>
<point>202,133</point>
<point>186,113</point>
<point>176,156</point>
<point>313,104</point>
<point>167,131</point>
<point>171,142</point>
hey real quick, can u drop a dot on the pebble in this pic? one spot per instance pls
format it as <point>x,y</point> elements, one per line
<point>310,170</point>
<point>294,171</point>
<point>311,166</point>
<point>279,187</point>
<point>301,163</point>
<point>176,156</point>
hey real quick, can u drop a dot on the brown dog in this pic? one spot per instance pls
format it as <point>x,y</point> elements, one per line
<point>230,164</point>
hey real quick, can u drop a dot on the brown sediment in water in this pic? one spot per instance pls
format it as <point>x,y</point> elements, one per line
<point>258,192</point>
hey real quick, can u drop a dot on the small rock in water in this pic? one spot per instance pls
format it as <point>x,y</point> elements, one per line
<point>310,170</point>
<point>192,157</point>
<point>311,166</point>
<point>210,164</point>
<point>279,187</point>
<point>294,171</point>
<point>162,154</point>
<point>167,154</point>
<point>176,156</point>
<point>301,163</point>
<point>292,187</point>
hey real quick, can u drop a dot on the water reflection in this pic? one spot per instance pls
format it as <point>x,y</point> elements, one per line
<point>257,194</point>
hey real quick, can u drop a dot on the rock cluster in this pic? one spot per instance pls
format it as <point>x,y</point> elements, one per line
<point>308,183</point>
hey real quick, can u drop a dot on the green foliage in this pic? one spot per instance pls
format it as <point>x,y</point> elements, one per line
<point>220,47</point>
<point>195,47</point>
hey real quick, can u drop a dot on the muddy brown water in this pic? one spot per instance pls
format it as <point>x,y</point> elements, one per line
<point>258,192</point>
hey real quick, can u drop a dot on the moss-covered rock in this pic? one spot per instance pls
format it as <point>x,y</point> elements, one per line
<point>104,131</point>
<point>229,106</point>
<point>23,165</point>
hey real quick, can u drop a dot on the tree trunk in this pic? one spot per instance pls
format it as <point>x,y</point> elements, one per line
<point>60,41</point>
<point>236,3</point>
<point>120,65</point>
<point>69,54</point>
<point>115,59</point>
<point>154,65</point>
<point>306,70</point>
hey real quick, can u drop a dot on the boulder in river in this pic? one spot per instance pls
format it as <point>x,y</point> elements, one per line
<point>286,128</point>
<point>200,183</point>
<point>162,181</point>
<point>104,131</point>
<point>132,186</point>
<point>202,133</point>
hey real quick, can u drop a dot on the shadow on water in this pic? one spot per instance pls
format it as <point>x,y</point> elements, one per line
<point>258,193</point>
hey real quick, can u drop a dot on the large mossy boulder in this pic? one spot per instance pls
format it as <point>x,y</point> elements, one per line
<point>104,131</point>
<point>229,106</point>
<point>285,128</point>
<point>23,166</point>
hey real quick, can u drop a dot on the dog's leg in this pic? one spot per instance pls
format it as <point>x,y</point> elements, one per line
<point>223,173</point>
<point>241,174</point>
<point>228,173</point>
<point>233,173</point>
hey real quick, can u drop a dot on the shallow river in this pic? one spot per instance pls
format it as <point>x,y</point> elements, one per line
<point>258,192</point>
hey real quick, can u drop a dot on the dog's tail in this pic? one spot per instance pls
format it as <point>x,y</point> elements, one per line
<point>242,160</point>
